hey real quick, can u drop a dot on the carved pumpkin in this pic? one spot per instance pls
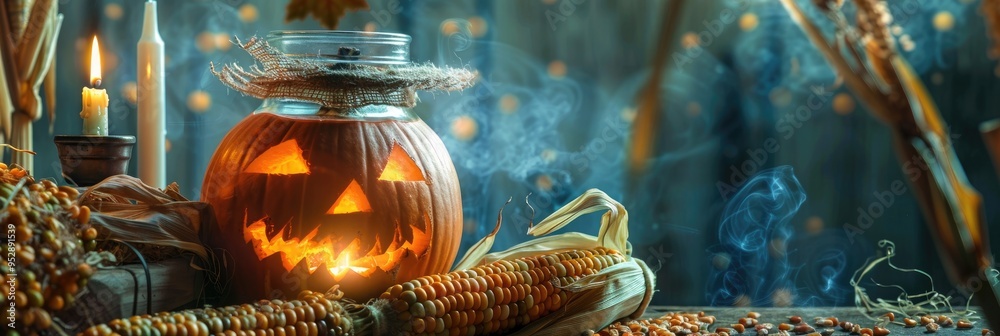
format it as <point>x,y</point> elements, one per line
<point>309,202</point>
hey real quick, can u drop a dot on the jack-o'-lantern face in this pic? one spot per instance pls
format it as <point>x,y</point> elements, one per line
<point>286,159</point>
<point>361,204</point>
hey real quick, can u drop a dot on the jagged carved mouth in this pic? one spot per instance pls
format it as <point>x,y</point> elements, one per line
<point>321,253</point>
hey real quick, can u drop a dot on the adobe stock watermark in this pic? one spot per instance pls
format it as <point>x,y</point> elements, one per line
<point>10,313</point>
<point>713,29</point>
<point>615,129</point>
<point>786,127</point>
<point>564,9</point>
<point>867,215</point>
<point>960,295</point>
<point>904,10</point>
<point>659,255</point>
<point>225,10</point>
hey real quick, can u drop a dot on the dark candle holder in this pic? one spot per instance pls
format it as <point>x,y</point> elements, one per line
<point>89,159</point>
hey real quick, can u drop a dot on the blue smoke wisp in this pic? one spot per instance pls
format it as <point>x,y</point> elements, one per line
<point>754,226</point>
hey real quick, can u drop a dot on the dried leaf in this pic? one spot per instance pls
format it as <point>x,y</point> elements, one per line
<point>132,211</point>
<point>327,12</point>
<point>963,206</point>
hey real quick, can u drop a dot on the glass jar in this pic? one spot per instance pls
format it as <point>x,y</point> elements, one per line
<point>308,196</point>
<point>339,48</point>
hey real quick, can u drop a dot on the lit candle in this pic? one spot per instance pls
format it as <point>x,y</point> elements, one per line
<point>95,101</point>
<point>151,132</point>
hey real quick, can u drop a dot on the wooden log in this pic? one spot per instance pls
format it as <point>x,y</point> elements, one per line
<point>112,293</point>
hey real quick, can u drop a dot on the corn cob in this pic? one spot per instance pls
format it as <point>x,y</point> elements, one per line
<point>488,299</point>
<point>494,298</point>
<point>873,20</point>
<point>313,314</point>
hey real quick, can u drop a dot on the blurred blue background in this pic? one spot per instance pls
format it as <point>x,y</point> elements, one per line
<point>553,116</point>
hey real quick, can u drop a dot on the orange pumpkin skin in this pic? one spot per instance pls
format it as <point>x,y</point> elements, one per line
<point>332,196</point>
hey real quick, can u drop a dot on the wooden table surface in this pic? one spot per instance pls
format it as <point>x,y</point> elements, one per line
<point>729,315</point>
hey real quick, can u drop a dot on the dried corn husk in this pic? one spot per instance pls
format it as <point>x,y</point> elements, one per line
<point>31,101</point>
<point>29,47</point>
<point>131,211</point>
<point>6,105</point>
<point>28,41</point>
<point>623,290</point>
<point>18,11</point>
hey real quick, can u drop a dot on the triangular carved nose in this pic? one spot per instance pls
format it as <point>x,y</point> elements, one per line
<point>352,200</point>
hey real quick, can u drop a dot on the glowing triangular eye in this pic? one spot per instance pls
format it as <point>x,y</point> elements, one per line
<point>352,200</point>
<point>400,167</point>
<point>282,159</point>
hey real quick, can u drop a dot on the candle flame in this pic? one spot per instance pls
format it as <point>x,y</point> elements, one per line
<point>95,64</point>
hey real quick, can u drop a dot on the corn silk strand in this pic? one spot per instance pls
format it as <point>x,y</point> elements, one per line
<point>906,304</point>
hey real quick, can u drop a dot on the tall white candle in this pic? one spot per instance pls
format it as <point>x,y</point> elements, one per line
<point>151,130</point>
<point>95,101</point>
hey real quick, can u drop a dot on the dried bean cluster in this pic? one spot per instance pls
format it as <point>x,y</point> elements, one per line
<point>49,233</point>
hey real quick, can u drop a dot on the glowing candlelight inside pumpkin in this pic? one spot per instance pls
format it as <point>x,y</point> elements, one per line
<point>353,200</point>
<point>282,159</point>
<point>315,252</point>
<point>400,167</point>
<point>95,101</point>
<point>343,265</point>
